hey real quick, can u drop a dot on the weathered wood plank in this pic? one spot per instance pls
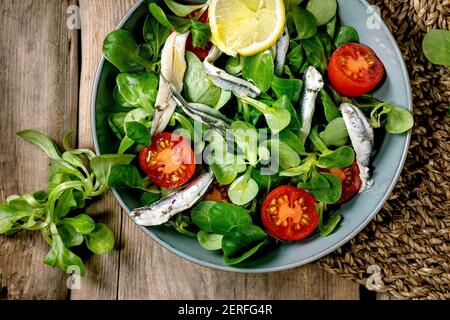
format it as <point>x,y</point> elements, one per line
<point>39,86</point>
<point>149,272</point>
<point>98,18</point>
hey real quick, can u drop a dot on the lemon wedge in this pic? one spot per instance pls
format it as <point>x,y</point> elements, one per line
<point>246,27</point>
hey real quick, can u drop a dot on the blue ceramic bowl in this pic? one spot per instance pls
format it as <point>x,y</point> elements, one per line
<point>388,161</point>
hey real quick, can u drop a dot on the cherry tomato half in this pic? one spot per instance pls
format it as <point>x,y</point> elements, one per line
<point>350,180</point>
<point>217,193</point>
<point>355,69</point>
<point>289,213</point>
<point>201,53</point>
<point>169,162</point>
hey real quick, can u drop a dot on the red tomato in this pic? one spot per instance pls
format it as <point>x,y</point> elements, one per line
<point>355,69</point>
<point>169,162</point>
<point>217,193</point>
<point>201,53</point>
<point>289,213</point>
<point>351,182</point>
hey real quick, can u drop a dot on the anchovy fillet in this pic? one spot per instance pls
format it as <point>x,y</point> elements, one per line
<point>200,112</point>
<point>281,48</point>
<point>173,68</point>
<point>363,139</point>
<point>160,212</point>
<point>226,81</point>
<point>313,84</point>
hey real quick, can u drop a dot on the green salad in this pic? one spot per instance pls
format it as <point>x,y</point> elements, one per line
<point>240,128</point>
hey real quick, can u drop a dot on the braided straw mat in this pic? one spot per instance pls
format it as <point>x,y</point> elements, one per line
<point>409,239</point>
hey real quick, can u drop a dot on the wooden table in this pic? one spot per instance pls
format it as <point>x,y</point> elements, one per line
<point>46,77</point>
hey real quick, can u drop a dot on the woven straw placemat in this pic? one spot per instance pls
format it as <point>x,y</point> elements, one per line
<point>409,239</point>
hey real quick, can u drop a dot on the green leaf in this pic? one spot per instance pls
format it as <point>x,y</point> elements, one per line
<point>241,242</point>
<point>296,57</point>
<point>155,34</point>
<point>315,53</point>
<point>224,216</point>
<point>340,158</point>
<point>399,120</point>
<point>69,236</point>
<point>327,44</point>
<point>345,35</point>
<point>224,165</point>
<point>246,137</point>
<point>82,224</point>
<point>331,27</point>
<point>125,144</point>
<point>243,190</point>
<point>266,182</point>
<point>330,226</point>
<point>292,88</point>
<point>102,165</point>
<point>138,133</point>
<point>209,241</point>
<point>235,65</point>
<point>181,223</point>
<point>125,176</point>
<point>139,89</point>
<point>61,257</point>
<point>66,202</point>
<point>304,171</point>
<point>120,48</point>
<point>436,47</point>
<point>305,23</point>
<point>116,122</point>
<point>289,4</point>
<point>259,69</point>
<point>201,34</point>
<point>182,10</point>
<point>225,97</point>
<point>170,22</point>
<point>335,134</point>
<point>226,172</point>
<point>149,198</point>
<point>245,255</point>
<point>42,142</point>
<point>322,10</point>
<point>284,102</point>
<point>100,240</point>
<point>331,111</point>
<point>281,153</point>
<point>201,215</point>
<point>325,187</point>
<point>293,141</point>
<point>197,86</point>
<point>277,118</point>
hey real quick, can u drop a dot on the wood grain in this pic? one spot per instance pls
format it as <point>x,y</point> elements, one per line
<point>38,75</point>
<point>145,270</point>
<point>148,271</point>
<point>39,85</point>
<point>99,17</point>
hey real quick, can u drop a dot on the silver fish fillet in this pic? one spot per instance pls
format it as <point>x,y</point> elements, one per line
<point>173,68</point>
<point>313,84</point>
<point>162,211</point>
<point>226,81</point>
<point>363,139</point>
<point>281,48</point>
<point>200,112</point>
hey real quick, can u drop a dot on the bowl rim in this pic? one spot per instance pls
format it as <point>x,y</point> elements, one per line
<point>314,257</point>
